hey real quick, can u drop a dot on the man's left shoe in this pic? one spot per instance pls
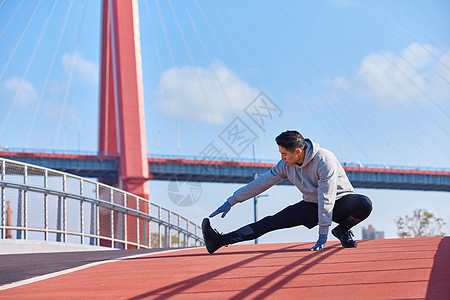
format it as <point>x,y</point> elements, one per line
<point>211,237</point>
<point>346,237</point>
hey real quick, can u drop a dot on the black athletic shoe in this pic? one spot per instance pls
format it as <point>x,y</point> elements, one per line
<point>211,237</point>
<point>345,237</point>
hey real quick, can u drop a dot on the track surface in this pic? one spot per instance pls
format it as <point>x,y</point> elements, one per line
<point>378,269</point>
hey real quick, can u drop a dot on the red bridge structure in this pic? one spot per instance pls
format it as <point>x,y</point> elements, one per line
<point>106,166</point>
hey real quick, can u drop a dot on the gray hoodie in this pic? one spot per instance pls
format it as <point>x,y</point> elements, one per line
<point>321,179</point>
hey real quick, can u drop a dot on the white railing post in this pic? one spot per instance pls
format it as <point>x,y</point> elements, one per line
<point>125,198</point>
<point>81,214</point>
<point>149,233</point>
<point>46,205</point>
<point>64,208</point>
<point>59,219</point>
<point>138,233</point>
<point>170,229</point>
<point>3,200</point>
<point>196,236</point>
<point>97,214</point>
<point>179,232</point>
<point>112,217</point>
<point>25,206</point>
<point>186,235</point>
<point>159,228</point>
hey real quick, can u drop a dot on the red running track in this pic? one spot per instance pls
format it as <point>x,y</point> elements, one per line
<point>416,268</point>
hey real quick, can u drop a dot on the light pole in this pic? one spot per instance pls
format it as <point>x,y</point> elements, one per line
<point>255,204</point>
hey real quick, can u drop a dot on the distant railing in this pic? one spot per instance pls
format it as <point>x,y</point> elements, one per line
<point>57,151</point>
<point>43,204</point>
<point>219,158</point>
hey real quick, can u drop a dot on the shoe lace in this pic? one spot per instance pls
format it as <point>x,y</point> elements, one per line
<point>349,235</point>
<point>220,234</point>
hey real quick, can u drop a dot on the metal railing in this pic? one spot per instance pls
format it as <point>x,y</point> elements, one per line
<point>43,204</point>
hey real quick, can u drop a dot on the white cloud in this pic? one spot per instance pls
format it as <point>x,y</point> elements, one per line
<point>413,74</point>
<point>204,94</point>
<point>24,91</point>
<point>87,70</point>
<point>339,83</point>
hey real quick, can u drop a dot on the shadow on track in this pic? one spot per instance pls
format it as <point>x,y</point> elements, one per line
<point>438,286</point>
<point>180,287</point>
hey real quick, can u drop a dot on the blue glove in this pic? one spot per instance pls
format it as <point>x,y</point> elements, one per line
<point>225,208</point>
<point>320,242</point>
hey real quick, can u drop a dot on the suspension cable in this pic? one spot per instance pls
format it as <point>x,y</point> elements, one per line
<point>25,75</point>
<point>12,17</point>
<point>155,46</point>
<point>49,72</point>
<point>178,75</point>
<point>72,68</point>
<point>19,40</point>
<point>9,60</point>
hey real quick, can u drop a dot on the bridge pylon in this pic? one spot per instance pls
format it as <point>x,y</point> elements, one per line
<point>122,118</point>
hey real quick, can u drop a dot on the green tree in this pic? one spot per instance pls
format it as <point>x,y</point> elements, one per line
<point>155,240</point>
<point>421,223</point>
<point>174,239</point>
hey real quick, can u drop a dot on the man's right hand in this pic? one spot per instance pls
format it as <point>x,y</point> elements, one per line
<point>320,243</point>
<point>224,209</point>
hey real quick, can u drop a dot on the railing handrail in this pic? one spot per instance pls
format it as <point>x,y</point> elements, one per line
<point>123,210</point>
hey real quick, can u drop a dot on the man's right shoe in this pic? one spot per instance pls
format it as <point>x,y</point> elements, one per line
<point>211,237</point>
<point>345,237</point>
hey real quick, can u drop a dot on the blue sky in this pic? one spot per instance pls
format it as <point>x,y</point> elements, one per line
<point>367,80</point>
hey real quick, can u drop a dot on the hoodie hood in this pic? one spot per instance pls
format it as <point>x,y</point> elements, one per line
<point>311,151</point>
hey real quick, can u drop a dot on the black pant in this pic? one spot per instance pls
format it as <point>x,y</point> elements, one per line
<point>304,213</point>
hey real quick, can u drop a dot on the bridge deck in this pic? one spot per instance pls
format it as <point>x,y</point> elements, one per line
<point>387,269</point>
<point>201,170</point>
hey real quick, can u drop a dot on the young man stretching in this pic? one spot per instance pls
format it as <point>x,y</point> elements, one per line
<point>327,196</point>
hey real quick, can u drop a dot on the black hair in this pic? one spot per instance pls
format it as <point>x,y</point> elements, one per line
<point>291,140</point>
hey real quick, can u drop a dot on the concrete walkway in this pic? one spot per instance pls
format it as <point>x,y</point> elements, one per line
<point>416,268</point>
<point>30,246</point>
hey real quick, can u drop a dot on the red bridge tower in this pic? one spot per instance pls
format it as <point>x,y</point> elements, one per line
<point>122,119</point>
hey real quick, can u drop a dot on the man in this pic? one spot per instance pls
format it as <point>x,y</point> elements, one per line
<point>327,196</point>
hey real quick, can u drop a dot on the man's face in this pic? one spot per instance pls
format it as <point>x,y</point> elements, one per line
<point>291,157</point>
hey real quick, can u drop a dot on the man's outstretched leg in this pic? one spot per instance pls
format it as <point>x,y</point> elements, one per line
<point>349,211</point>
<point>214,240</point>
<point>293,215</point>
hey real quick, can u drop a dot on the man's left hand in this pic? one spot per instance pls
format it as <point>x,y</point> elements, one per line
<point>224,208</point>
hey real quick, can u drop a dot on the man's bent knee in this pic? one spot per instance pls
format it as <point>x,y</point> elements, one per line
<point>365,207</point>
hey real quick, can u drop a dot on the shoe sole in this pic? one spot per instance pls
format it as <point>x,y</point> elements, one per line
<point>205,224</point>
